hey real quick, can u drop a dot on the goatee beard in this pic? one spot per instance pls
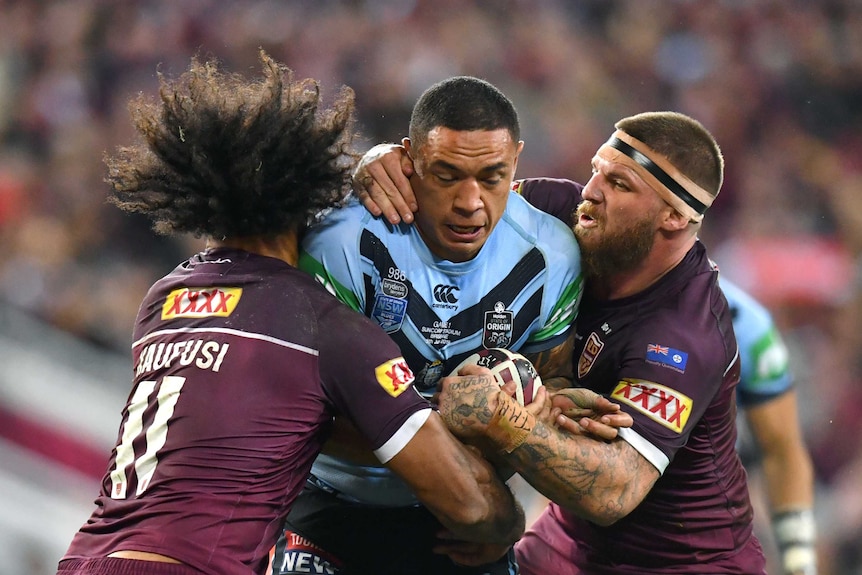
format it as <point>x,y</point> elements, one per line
<point>610,254</point>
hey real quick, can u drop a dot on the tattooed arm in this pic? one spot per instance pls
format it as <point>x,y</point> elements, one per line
<point>592,413</point>
<point>601,481</point>
<point>555,365</point>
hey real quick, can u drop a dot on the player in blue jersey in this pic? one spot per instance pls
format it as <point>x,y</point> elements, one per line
<point>654,332</point>
<point>480,268</point>
<point>768,399</point>
<point>241,361</point>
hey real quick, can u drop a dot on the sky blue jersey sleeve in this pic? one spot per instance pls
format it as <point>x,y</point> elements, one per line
<point>763,353</point>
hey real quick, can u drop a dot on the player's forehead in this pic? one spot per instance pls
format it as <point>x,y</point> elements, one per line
<point>611,169</point>
<point>468,150</point>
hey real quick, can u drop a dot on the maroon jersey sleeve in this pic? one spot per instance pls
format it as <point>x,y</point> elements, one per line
<point>380,403</point>
<point>554,196</point>
<point>673,370</point>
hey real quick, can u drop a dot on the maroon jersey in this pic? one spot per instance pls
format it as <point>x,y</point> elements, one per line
<point>668,355</point>
<point>240,364</point>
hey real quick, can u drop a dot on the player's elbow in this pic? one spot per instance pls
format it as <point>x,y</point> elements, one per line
<point>471,514</point>
<point>603,516</point>
<point>604,510</point>
<point>482,519</point>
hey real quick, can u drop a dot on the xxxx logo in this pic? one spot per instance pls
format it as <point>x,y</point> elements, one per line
<point>192,302</point>
<point>662,404</point>
<point>394,376</point>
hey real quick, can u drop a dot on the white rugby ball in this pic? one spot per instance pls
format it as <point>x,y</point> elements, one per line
<point>507,366</point>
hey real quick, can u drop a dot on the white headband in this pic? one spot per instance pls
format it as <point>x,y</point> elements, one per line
<point>673,186</point>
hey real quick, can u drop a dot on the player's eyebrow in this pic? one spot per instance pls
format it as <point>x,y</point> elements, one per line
<point>499,166</point>
<point>617,171</point>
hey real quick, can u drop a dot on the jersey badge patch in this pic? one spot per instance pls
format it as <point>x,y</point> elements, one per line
<point>667,356</point>
<point>588,357</point>
<point>658,402</point>
<point>201,302</point>
<point>498,328</point>
<point>389,312</point>
<point>393,288</point>
<point>394,376</point>
<point>429,376</point>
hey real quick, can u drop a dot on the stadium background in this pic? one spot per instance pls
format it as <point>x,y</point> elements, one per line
<point>779,83</point>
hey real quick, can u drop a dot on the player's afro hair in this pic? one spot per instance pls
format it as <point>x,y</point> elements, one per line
<point>226,157</point>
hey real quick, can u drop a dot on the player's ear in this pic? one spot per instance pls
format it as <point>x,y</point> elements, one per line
<point>518,151</point>
<point>672,220</point>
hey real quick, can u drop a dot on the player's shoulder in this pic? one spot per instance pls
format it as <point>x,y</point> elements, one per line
<point>351,217</point>
<point>685,322</point>
<point>562,187</point>
<point>556,196</point>
<point>539,227</point>
<point>332,229</point>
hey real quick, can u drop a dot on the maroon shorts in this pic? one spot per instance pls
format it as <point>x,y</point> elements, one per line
<point>546,547</point>
<point>119,566</point>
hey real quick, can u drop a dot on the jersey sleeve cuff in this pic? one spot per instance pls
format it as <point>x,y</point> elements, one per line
<point>403,436</point>
<point>650,452</point>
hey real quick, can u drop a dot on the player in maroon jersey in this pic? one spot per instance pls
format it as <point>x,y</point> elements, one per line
<point>241,361</point>
<point>654,332</point>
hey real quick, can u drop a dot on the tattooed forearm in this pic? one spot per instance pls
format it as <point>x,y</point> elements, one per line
<point>555,365</point>
<point>600,481</point>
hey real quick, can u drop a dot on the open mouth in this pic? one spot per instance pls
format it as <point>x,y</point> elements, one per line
<point>465,230</point>
<point>585,220</point>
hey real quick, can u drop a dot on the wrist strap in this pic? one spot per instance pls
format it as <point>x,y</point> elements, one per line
<point>795,534</point>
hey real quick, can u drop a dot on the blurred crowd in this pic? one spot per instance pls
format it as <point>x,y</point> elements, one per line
<point>779,83</point>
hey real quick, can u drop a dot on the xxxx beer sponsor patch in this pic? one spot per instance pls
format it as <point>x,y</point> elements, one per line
<point>201,302</point>
<point>394,376</point>
<point>658,402</point>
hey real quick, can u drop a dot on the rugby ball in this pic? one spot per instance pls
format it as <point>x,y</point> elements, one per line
<point>507,366</point>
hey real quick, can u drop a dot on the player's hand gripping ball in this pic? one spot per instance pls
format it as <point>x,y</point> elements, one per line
<point>508,366</point>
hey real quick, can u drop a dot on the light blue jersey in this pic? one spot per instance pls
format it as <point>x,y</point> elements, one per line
<point>521,292</point>
<point>764,356</point>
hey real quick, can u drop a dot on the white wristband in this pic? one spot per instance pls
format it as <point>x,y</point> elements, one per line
<point>795,533</point>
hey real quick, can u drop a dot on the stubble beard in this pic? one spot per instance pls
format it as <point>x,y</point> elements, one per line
<point>603,255</point>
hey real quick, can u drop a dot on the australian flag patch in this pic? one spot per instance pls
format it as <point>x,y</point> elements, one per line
<point>667,356</point>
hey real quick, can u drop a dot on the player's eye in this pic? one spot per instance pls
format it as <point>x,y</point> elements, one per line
<point>445,178</point>
<point>620,184</point>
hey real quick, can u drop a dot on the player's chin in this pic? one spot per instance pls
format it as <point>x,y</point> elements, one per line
<point>465,249</point>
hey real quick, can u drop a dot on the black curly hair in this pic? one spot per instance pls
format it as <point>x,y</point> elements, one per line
<point>463,103</point>
<point>226,157</point>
